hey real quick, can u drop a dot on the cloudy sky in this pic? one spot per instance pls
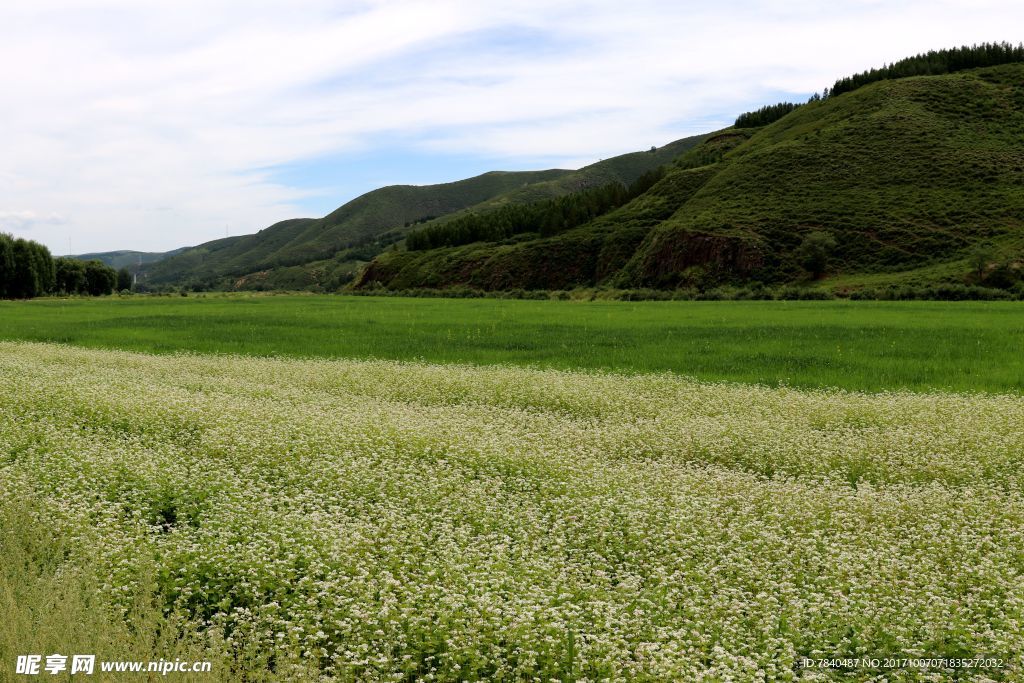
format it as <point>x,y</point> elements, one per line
<point>133,124</point>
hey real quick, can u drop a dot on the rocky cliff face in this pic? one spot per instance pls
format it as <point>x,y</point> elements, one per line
<point>683,258</point>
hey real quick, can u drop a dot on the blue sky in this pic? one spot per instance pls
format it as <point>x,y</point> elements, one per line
<point>150,126</point>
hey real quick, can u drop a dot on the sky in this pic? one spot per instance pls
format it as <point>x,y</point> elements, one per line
<point>151,125</point>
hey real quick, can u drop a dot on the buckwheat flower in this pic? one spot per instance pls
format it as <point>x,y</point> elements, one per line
<point>471,522</point>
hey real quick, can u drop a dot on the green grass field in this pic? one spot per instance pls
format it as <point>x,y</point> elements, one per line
<point>871,346</point>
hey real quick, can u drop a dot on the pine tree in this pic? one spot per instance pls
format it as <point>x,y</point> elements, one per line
<point>934,63</point>
<point>547,217</point>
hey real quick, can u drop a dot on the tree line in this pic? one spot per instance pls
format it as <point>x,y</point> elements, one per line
<point>765,115</point>
<point>547,217</point>
<point>27,269</point>
<point>935,63</point>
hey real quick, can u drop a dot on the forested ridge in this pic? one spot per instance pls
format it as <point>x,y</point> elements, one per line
<point>935,63</point>
<point>548,217</point>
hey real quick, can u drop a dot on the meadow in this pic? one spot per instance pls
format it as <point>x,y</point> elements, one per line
<point>870,346</point>
<point>319,519</point>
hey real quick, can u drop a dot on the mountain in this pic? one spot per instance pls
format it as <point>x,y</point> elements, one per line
<point>905,181</point>
<point>128,259</point>
<point>324,253</point>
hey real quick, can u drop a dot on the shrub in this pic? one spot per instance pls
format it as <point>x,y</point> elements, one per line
<point>814,252</point>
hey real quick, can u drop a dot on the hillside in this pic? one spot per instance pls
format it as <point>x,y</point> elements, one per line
<point>325,253</point>
<point>128,259</point>
<point>624,169</point>
<point>918,180</point>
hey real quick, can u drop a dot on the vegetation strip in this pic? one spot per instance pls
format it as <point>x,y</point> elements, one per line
<point>872,346</point>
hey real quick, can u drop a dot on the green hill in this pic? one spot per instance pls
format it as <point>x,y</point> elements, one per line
<point>128,259</point>
<point>916,180</point>
<point>904,173</point>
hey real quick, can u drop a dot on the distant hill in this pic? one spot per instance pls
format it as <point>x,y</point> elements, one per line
<point>325,253</point>
<point>128,259</point>
<point>916,180</point>
<point>355,224</point>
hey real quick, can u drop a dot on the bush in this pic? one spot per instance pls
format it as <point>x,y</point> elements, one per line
<point>684,294</point>
<point>814,252</point>
<point>940,292</point>
<point>803,294</point>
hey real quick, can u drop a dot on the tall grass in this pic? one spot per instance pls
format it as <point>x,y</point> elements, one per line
<point>52,601</point>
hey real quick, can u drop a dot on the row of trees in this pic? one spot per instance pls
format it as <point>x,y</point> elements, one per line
<point>547,217</point>
<point>27,269</point>
<point>89,277</point>
<point>935,63</point>
<point>765,115</point>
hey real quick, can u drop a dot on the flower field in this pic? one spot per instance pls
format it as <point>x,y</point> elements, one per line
<point>371,520</point>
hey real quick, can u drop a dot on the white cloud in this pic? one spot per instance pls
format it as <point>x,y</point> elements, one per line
<point>21,221</point>
<point>145,124</point>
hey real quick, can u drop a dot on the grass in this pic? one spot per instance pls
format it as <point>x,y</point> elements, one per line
<point>870,346</point>
<point>51,606</point>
